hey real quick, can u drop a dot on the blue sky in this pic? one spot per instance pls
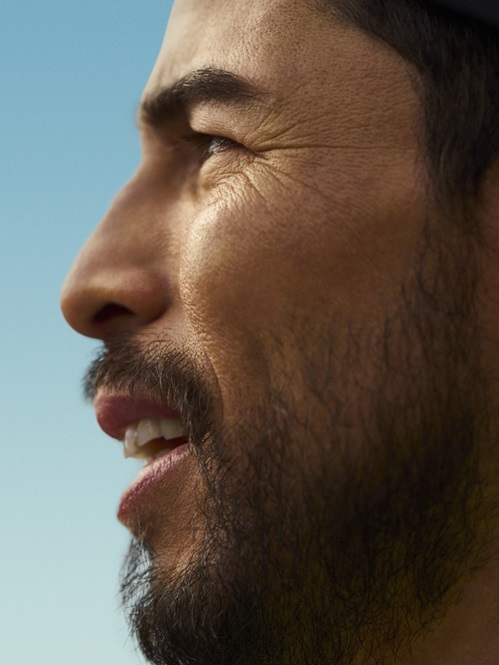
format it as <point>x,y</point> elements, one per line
<point>71,75</point>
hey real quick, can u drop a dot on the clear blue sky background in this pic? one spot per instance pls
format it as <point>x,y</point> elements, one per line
<point>71,74</point>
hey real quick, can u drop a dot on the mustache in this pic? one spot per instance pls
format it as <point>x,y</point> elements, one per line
<point>157,371</point>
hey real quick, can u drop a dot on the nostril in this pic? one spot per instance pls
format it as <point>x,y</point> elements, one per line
<point>111,311</point>
<point>102,301</point>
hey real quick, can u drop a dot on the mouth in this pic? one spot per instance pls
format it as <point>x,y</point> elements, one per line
<point>150,432</point>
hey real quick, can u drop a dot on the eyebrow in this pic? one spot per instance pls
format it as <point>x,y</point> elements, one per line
<point>201,86</point>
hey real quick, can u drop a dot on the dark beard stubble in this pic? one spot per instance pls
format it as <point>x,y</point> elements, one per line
<point>347,557</point>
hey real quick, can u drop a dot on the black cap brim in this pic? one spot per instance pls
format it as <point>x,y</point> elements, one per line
<point>484,10</point>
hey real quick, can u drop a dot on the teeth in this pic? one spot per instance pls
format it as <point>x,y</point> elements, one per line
<point>141,433</point>
<point>130,447</point>
<point>146,431</point>
<point>171,429</point>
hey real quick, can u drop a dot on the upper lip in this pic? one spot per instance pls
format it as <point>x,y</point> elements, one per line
<point>115,412</point>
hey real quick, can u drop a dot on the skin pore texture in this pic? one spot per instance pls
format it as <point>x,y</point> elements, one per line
<point>278,271</point>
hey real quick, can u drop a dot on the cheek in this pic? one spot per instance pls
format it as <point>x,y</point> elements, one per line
<point>236,281</point>
<point>265,271</point>
<point>239,267</point>
<point>259,253</point>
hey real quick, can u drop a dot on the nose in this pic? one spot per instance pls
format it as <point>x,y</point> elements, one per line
<point>118,282</point>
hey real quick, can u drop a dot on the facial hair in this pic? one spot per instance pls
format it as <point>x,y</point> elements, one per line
<point>341,520</point>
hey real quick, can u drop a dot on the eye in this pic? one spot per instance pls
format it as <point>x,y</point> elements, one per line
<point>208,145</point>
<point>217,144</point>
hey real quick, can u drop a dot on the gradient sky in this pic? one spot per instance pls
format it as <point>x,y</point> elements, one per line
<point>71,74</point>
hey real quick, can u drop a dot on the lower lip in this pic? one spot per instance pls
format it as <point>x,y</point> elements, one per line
<point>151,478</point>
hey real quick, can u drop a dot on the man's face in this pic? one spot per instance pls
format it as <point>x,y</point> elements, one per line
<point>274,275</point>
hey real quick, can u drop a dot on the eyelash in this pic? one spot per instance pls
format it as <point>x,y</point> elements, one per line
<point>220,144</point>
<point>210,145</point>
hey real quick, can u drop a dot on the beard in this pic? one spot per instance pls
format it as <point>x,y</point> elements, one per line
<point>344,509</point>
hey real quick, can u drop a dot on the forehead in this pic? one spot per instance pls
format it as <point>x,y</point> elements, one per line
<point>330,83</point>
<point>231,34</point>
<point>276,44</point>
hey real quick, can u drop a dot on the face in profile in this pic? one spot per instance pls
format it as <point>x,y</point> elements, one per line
<point>289,344</point>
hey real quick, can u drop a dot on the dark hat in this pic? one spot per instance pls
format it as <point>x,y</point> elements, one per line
<point>486,10</point>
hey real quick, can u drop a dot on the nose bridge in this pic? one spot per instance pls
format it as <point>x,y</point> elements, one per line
<point>123,276</point>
